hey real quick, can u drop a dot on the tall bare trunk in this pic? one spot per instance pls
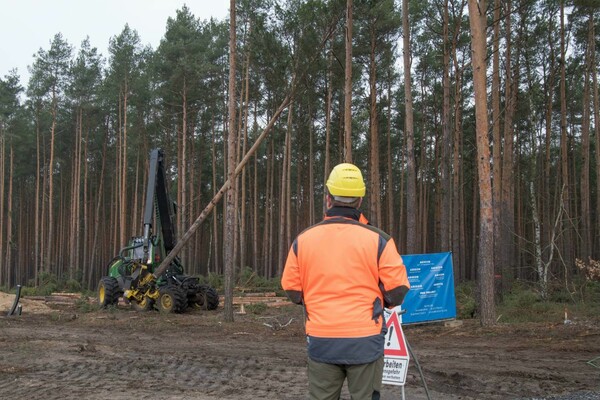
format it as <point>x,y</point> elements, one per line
<point>37,212</point>
<point>283,203</point>
<point>255,219</point>
<point>3,267</point>
<point>596,245</point>
<point>78,212</point>
<point>99,198</point>
<point>374,180</point>
<point>183,173</point>
<point>585,232</point>
<point>268,218</point>
<point>87,269</point>
<point>44,206</point>
<point>549,96</point>
<point>215,239</point>
<point>567,248</point>
<point>348,86</point>
<point>231,157</point>
<point>390,174</point>
<point>326,166</point>
<point>477,17</point>
<point>50,236</point>
<point>123,189</point>
<point>73,234</point>
<point>9,222</point>
<point>496,134</point>
<point>288,195</point>
<point>458,206</point>
<point>243,218</point>
<point>507,222</point>
<point>412,234</point>
<point>311,170</point>
<point>445,193</point>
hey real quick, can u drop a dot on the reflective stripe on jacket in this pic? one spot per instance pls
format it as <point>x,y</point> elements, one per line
<point>338,269</point>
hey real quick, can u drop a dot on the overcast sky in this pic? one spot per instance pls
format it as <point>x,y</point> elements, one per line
<point>28,25</point>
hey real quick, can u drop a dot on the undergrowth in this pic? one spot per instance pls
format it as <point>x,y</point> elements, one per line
<point>524,303</point>
<point>48,284</point>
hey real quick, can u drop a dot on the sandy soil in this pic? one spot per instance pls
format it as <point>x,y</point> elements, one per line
<point>62,353</point>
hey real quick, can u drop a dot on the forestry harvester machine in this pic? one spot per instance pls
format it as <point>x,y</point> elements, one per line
<point>132,275</point>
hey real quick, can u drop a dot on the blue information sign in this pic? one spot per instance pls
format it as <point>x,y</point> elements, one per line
<point>431,294</point>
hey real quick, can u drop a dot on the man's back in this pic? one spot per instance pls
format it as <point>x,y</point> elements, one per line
<point>338,261</point>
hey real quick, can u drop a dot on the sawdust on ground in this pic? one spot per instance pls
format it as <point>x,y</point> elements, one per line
<point>29,306</point>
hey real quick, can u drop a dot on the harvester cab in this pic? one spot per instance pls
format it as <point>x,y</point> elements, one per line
<point>131,274</point>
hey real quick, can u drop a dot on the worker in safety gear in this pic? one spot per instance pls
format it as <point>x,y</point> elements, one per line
<point>344,271</point>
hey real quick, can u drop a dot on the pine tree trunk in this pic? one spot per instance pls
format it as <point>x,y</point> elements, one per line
<point>412,234</point>
<point>74,196</point>
<point>243,218</point>
<point>390,173</point>
<point>458,249</point>
<point>477,17</point>
<point>374,179</point>
<point>182,181</point>
<point>288,195</point>
<point>283,202</point>
<point>266,248</point>
<point>3,266</point>
<point>311,171</point>
<point>422,185</point>
<point>507,221</point>
<point>348,86</point>
<point>38,189</point>
<point>549,96</point>
<point>216,247</point>
<point>50,236</point>
<point>86,268</point>
<point>78,239</point>
<point>255,218</point>
<point>596,244</point>
<point>10,281</point>
<point>99,200</point>
<point>327,161</point>
<point>44,208</point>
<point>123,189</point>
<point>496,135</point>
<point>231,157</point>
<point>585,232</point>
<point>567,247</point>
<point>445,193</point>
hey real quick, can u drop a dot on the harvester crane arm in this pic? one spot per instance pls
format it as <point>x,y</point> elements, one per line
<point>158,203</point>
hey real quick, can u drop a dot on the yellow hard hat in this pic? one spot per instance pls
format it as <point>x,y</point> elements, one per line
<point>346,180</point>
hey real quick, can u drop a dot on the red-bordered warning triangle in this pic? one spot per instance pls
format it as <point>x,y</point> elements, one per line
<point>395,345</point>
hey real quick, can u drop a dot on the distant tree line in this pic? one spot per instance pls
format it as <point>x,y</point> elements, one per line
<point>74,142</point>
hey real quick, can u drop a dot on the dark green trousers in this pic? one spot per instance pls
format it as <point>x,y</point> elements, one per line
<point>325,381</point>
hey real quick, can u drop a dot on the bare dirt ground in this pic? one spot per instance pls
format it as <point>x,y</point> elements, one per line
<point>58,352</point>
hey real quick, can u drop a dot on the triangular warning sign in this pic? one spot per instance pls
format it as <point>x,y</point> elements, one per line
<point>395,345</point>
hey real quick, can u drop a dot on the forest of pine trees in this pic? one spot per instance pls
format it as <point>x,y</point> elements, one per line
<point>75,138</point>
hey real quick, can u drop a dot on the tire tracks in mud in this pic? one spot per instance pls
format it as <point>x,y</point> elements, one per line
<point>155,375</point>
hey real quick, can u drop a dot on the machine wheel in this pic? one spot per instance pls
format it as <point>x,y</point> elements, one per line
<point>108,291</point>
<point>207,298</point>
<point>172,299</point>
<point>146,304</point>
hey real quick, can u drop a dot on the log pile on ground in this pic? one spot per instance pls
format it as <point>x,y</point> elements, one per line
<point>270,299</point>
<point>40,304</point>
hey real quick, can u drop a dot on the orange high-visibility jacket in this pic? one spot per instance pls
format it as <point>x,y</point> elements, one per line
<point>344,271</point>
